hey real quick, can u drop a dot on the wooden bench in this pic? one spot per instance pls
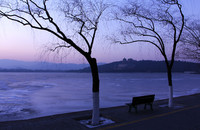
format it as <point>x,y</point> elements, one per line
<point>146,100</point>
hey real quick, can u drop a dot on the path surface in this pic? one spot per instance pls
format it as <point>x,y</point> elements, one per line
<point>184,116</point>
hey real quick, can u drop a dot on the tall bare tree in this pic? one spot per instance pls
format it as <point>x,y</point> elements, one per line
<point>190,49</point>
<point>80,16</point>
<point>156,22</point>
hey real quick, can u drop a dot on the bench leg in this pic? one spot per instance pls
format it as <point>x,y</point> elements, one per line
<point>151,107</point>
<point>145,106</point>
<point>135,109</point>
<point>130,107</point>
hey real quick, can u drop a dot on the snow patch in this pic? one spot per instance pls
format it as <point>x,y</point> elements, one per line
<point>103,121</point>
<point>174,107</point>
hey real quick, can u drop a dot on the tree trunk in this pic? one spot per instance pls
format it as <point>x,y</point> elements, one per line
<point>95,90</point>
<point>169,72</point>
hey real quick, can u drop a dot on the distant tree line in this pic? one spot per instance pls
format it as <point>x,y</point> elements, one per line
<point>130,66</point>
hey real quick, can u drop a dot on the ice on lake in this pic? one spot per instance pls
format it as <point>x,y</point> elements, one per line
<point>29,95</point>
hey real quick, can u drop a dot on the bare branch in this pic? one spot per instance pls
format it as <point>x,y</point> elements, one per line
<point>60,46</point>
<point>80,32</point>
<point>180,32</point>
<point>190,48</point>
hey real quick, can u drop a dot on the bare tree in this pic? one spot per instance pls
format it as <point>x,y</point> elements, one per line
<point>156,22</point>
<point>81,17</point>
<point>190,49</point>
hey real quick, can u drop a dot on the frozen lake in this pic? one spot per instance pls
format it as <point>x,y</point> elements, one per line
<point>28,95</point>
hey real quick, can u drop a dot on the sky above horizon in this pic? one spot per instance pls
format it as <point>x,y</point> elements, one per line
<point>23,43</point>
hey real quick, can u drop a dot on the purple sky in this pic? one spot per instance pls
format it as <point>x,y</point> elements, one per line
<point>22,43</point>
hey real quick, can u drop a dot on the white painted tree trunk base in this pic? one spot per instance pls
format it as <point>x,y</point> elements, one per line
<point>95,112</point>
<point>170,103</point>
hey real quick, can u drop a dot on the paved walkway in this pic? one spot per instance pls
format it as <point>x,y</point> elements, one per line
<point>184,116</point>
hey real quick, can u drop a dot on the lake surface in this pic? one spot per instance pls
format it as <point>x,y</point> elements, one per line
<point>29,95</point>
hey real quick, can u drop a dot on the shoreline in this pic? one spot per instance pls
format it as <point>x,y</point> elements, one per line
<point>159,118</point>
<point>87,113</point>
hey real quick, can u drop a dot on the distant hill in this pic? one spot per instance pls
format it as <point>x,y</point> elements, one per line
<point>145,66</point>
<point>15,65</point>
<point>118,66</point>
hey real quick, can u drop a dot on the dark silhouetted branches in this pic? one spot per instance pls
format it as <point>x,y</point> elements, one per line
<point>190,48</point>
